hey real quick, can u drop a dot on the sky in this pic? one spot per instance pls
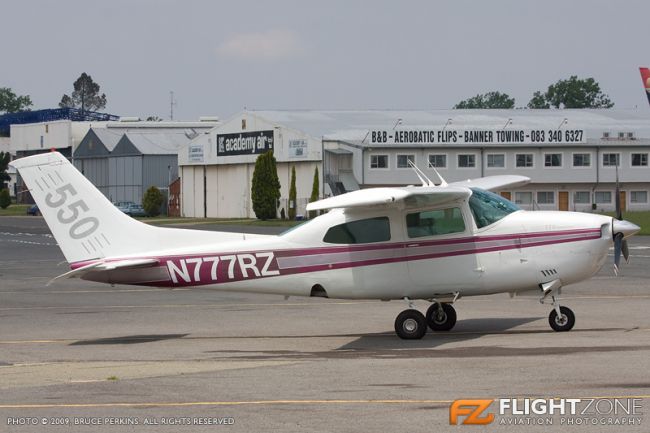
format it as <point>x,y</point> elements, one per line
<point>219,57</point>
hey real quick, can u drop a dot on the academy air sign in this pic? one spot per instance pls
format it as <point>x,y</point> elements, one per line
<point>244,143</point>
<point>476,136</point>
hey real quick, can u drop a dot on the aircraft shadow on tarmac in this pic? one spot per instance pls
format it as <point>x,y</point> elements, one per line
<point>129,339</point>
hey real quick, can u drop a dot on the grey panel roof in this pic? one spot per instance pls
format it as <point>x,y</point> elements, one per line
<point>354,125</point>
<point>109,138</point>
<point>158,143</point>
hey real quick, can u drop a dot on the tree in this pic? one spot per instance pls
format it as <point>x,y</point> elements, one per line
<point>572,93</point>
<point>5,157</point>
<point>5,198</point>
<point>10,102</point>
<point>314,192</point>
<point>265,190</point>
<point>488,100</point>
<point>85,95</point>
<point>538,101</point>
<point>292,195</point>
<point>152,201</point>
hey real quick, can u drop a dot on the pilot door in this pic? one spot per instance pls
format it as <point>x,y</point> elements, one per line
<point>440,250</point>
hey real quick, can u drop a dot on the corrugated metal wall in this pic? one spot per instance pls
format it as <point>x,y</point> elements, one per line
<point>125,179</point>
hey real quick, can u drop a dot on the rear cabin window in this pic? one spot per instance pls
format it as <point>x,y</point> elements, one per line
<point>435,222</point>
<point>359,232</point>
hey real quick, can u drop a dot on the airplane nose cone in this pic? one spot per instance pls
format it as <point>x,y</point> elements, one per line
<point>627,228</point>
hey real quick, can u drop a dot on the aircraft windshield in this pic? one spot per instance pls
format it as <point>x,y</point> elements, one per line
<point>488,207</point>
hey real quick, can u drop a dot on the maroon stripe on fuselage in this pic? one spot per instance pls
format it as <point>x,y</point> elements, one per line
<point>403,252</point>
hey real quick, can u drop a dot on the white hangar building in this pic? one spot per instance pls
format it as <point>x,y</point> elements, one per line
<point>216,168</point>
<point>571,155</point>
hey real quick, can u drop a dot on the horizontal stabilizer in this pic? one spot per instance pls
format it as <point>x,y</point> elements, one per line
<point>107,266</point>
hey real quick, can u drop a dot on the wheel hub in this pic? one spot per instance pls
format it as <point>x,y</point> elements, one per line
<point>410,325</point>
<point>561,320</point>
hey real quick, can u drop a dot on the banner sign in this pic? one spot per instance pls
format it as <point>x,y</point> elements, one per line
<point>244,143</point>
<point>195,153</point>
<point>477,136</point>
<point>297,148</point>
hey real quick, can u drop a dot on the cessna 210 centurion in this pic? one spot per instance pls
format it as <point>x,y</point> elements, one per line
<point>432,242</point>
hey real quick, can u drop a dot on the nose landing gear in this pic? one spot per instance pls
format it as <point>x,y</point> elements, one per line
<point>561,318</point>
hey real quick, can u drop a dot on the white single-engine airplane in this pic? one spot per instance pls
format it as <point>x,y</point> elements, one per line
<point>436,243</point>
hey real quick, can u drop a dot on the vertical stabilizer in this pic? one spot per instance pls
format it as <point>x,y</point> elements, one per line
<point>645,76</point>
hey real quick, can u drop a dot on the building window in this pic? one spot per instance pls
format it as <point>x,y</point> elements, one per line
<point>496,160</point>
<point>435,222</point>
<point>523,197</point>
<point>466,161</point>
<point>603,197</point>
<point>553,160</point>
<point>639,160</point>
<point>582,160</point>
<point>524,160</point>
<point>638,196</point>
<point>359,232</point>
<point>581,197</point>
<point>438,161</point>
<point>610,159</point>
<point>378,161</point>
<point>403,161</point>
<point>545,197</point>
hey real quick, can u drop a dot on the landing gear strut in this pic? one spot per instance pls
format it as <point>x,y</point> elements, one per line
<point>441,316</point>
<point>561,318</point>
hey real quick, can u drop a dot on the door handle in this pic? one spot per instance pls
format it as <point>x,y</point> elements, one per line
<point>413,245</point>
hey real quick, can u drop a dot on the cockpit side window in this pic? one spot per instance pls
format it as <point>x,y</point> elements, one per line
<point>488,207</point>
<point>359,232</point>
<point>435,222</point>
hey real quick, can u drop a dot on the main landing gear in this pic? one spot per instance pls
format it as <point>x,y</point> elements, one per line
<point>561,318</point>
<point>412,325</point>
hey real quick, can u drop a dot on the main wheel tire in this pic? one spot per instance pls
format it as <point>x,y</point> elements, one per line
<point>441,319</point>
<point>564,322</point>
<point>410,325</point>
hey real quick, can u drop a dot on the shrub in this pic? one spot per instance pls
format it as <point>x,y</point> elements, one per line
<point>314,193</point>
<point>292,195</point>
<point>5,198</point>
<point>152,201</point>
<point>265,191</point>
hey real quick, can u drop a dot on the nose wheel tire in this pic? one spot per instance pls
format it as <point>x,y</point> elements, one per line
<point>441,317</point>
<point>564,322</point>
<point>410,325</point>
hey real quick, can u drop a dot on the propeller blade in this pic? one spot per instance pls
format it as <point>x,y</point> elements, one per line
<point>626,251</point>
<point>617,200</point>
<point>618,246</point>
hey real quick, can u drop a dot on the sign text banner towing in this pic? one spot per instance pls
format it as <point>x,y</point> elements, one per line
<point>477,136</point>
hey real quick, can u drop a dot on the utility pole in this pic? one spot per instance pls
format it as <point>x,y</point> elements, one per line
<point>172,103</point>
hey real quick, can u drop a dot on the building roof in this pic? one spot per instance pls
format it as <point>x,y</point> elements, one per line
<point>134,142</point>
<point>49,115</point>
<point>353,126</point>
<point>158,143</point>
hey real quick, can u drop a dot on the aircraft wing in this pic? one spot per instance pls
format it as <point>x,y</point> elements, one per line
<point>410,196</point>
<point>494,182</point>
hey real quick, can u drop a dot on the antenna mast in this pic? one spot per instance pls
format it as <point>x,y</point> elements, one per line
<point>172,103</point>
